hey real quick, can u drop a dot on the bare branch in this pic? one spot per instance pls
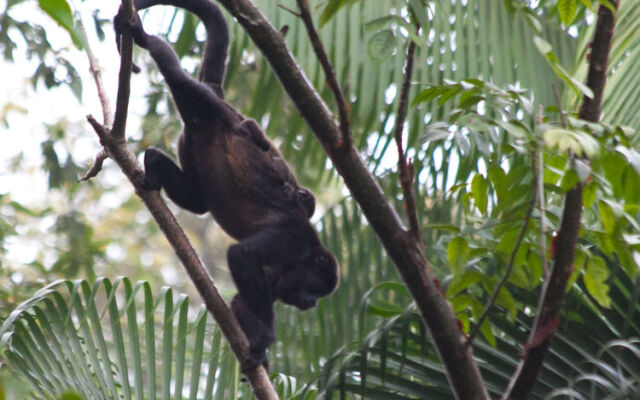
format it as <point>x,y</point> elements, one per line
<point>94,68</point>
<point>547,318</point>
<point>330,74</point>
<point>541,200</point>
<point>405,169</point>
<point>97,165</point>
<point>556,95</point>
<point>287,9</point>
<point>124,76</point>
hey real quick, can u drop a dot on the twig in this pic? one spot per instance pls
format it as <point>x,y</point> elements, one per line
<point>541,201</point>
<point>512,258</point>
<point>330,74</point>
<point>107,116</point>
<point>124,76</point>
<point>94,68</point>
<point>97,164</point>
<point>547,318</point>
<point>405,168</point>
<point>556,94</point>
<point>115,145</point>
<point>287,9</point>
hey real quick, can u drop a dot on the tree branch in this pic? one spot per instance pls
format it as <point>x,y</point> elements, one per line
<point>462,370</point>
<point>329,72</point>
<point>405,169</point>
<point>115,144</point>
<point>553,292</point>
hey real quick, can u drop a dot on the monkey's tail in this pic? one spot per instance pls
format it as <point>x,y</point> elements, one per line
<point>215,52</point>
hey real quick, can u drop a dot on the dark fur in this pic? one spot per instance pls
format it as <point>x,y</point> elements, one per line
<point>231,169</point>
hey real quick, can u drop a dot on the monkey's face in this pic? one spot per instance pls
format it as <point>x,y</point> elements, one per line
<point>305,284</point>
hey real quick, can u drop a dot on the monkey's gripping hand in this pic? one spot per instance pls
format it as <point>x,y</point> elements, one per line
<point>121,25</point>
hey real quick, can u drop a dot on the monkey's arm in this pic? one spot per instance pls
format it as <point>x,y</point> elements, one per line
<point>253,305</point>
<point>162,172</point>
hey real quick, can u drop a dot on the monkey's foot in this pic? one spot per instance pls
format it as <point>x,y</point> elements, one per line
<point>255,360</point>
<point>151,157</point>
<point>121,25</point>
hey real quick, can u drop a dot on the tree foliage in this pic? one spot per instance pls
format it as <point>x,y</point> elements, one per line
<point>494,153</point>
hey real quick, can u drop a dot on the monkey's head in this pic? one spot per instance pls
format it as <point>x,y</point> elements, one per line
<point>315,277</point>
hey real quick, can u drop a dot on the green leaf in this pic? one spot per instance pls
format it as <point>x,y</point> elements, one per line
<point>383,308</point>
<point>187,35</point>
<point>595,279</point>
<point>632,156</point>
<point>457,254</point>
<point>487,333</point>
<point>381,45</point>
<point>429,94</point>
<point>578,142</point>
<point>567,10</point>
<point>514,128</point>
<point>569,180</point>
<point>588,4</point>
<point>506,300</point>
<point>420,13</point>
<point>546,50</point>
<point>332,7</point>
<point>542,45</point>
<point>607,217</point>
<point>70,396</point>
<point>479,190</point>
<point>499,180</point>
<point>589,194</point>
<point>463,281</point>
<point>60,12</point>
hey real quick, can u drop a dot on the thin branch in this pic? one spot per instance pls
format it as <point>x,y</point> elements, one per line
<point>124,76</point>
<point>408,256</point>
<point>405,168</point>
<point>97,164</point>
<point>115,146</point>
<point>541,200</point>
<point>512,258</point>
<point>287,9</point>
<point>107,116</point>
<point>330,74</point>
<point>556,94</point>
<point>94,68</point>
<point>547,319</point>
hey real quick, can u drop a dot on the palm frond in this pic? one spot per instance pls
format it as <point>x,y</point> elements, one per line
<point>118,340</point>
<point>398,357</point>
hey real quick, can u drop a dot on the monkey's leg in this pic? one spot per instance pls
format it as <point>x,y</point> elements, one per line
<point>196,102</point>
<point>215,52</point>
<point>162,172</point>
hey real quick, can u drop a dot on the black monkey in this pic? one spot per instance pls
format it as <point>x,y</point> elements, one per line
<point>231,169</point>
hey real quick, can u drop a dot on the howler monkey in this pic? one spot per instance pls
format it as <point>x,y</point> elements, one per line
<point>231,169</point>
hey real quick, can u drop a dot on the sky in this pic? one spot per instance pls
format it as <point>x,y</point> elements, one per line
<point>28,110</point>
